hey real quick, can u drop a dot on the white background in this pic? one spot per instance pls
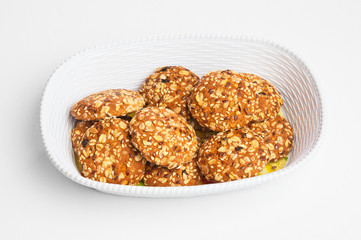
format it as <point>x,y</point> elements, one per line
<point>320,201</point>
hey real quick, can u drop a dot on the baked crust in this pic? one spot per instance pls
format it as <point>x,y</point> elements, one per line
<point>185,175</point>
<point>277,134</point>
<point>108,103</point>
<point>163,137</point>
<point>169,87</point>
<point>224,100</point>
<point>232,155</point>
<point>107,155</point>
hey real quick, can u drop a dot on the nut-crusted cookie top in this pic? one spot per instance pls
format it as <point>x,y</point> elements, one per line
<point>78,132</point>
<point>107,154</point>
<point>185,175</point>
<point>225,100</point>
<point>163,137</point>
<point>232,155</point>
<point>108,103</point>
<point>169,87</point>
<point>268,100</point>
<point>216,101</point>
<point>277,134</point>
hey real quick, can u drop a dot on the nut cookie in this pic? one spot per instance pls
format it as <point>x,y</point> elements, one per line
<point>266,102</point>
<point>76,137</point>
<point>224,100</point>
<point>78,132</point>
<point>277,134</point>
<point>185,175</point>
<point>232,155</point>
<point>216,101</point>
<point>169,87</point>
<point>107,155</point>
<point>108,103</point>
<point>163,137</point>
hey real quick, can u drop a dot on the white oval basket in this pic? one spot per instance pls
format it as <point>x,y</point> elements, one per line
<point>126,65</point>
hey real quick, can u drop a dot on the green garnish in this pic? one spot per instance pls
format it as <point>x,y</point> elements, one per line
<point>131,115</point>
<point>141,183</point>
<point>77,163</point>
<point>274,166</point>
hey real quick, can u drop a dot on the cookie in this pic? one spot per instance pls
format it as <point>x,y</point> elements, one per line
<point>78,132</point>
<point>107,155</point>
<point>232,155</point>
<point>185,175</point>
<point>108,103</point>
<point>225,100</point>
<point>268,100</point>
<point>169,87</point>
<point>215,101</point>
<point>277,134</point>
<point>163,137</point>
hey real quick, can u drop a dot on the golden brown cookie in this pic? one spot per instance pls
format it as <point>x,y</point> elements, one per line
<point>169,87</point>
<point>268,100</point>
<point>107,155</point>
<point>185,175</point>
<point>232,155</point>
<point>76,137</point>
<point>163,137</point>
<point>225,100</point>
<point>216,103</point>
<point>277,134</point>
<point>108,103</point>
<point>78,132</point>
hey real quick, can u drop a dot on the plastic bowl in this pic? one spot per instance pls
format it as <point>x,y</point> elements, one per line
<point>127,64</point>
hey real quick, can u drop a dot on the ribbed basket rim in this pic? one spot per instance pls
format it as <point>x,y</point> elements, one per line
<point>186,190</point>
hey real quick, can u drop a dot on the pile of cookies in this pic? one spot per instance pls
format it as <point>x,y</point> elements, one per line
<point>180,130</point>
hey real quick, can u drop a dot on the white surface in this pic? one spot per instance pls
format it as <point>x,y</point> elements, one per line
<point>320,201</point>
<point>127,64</point>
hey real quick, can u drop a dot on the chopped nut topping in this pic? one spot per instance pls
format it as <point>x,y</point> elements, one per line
<point>110,159</point>
<point>167,140</point>
<point>228,165</point>
<point>108,103</point>
<point>278,134</point>
<point>225,100</point>
<point>169,87</point>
